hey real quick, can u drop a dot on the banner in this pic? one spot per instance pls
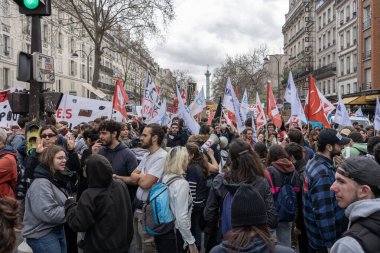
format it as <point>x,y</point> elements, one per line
<point>341,115</point>
<point>75,110</point>
<point>259,115</point>
<point>120,98</point>
<point>7,118</point>
<point>151,99</point>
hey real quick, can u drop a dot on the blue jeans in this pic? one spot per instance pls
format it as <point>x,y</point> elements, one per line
<point>284,233</point>
<point>54,242</point>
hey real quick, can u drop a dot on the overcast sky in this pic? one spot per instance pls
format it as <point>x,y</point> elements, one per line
<point>205,31</point>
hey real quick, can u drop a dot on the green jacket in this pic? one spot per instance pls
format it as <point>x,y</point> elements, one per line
<point>356,150</point>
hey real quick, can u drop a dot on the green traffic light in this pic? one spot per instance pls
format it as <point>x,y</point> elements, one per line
<point>31,4</point>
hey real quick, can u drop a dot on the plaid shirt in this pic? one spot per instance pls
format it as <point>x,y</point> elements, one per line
<point>324,219</point>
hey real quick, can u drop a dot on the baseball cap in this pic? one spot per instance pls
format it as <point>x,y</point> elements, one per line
<point>361,169</point>
<point>331,136</point>
<point>345,131</point>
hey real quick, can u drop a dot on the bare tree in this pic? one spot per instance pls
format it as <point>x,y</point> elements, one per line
<point>246,71</point>
<point>136,19</point>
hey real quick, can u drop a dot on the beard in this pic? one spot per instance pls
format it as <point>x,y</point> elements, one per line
<point>335,152</point>
<point>147,144</point>
<point>107,142</point>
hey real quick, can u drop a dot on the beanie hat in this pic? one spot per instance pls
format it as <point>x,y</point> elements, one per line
<point>248,207</point>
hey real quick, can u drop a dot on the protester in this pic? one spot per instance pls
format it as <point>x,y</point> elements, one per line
<point>104,210</point>
<point>295,135</point>
<point>44,216</point>
<point>324,219</point>
<point>174,137</point>
<point>125,135</point>
<point>249,220</point>
<point>122,159</point>
<point>295,152</point>
<point>356,147</point>
<point>245,167</point>
<point>356,188</point>
<point>8,222</point>
<point>282,172</point>
<point>224,131</point>
<point>372,142</point>
<point>180,201</point>
<point>8,167</point>
<point>196,175</point>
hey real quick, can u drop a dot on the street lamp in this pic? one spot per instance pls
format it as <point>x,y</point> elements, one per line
<point>278,58</point>
<point>75,55</point>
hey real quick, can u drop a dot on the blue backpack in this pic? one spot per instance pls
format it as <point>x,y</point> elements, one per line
<point>225,225</point>
<point>286,200</point>
<point>158,217</point>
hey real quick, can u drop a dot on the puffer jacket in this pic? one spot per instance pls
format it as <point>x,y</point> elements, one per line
<point>8,171</point>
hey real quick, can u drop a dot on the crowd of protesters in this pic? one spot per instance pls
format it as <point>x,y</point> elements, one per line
<point>278,189</point>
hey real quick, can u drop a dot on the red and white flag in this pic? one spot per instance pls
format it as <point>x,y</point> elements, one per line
<point>183,96</point>
<point>259,113</point>
<point>314,109</point>
<point>272,110</point>
<point>120,98</point>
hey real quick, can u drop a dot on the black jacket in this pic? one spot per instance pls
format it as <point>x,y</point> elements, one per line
<point>219,189</point>
<point>174,140</point>
<point>104,210</point>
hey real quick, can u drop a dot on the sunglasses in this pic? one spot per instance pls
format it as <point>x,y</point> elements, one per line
<point>43,136</point>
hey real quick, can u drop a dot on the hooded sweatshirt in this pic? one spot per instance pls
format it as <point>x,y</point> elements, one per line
<point>104,210</point>
<point>356,149</point>
<point>258,245</point>
<point>367,212</point>
<point>44,203</point>
<point>280,171</point>
<point>8,171</point>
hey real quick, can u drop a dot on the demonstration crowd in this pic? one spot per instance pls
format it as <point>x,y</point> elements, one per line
<point>105,186</point>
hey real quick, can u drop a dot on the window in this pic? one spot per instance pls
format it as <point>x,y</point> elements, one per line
<point>6,80</point>
<point>355,63</point>
<point>348,88</point>
<point>367,44</point>
<point>72,86</point>
<point>329,86</point>
<point>28,48</point>
<point>348,64</point>
<point>341,67</point>
<point>7,45</point>
<point>333,85</point>
<point>73,68</point>
<point>60,40</point>
<point>329,14</point>
<point>46,33</point>
<point>83,71</point>
<point>348,38</point>
<point>72,45</point>
<point>355,87</point>
<point>348,12</point>
<point>83,48</point>
<point>368,78</point>
<point>341,41</point>
<point>342,89</point>
<point>59,85</point>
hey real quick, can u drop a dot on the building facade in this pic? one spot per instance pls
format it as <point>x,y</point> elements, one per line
<point>64,39</point>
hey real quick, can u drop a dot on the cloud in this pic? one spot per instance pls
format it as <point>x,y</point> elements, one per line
<point>205,31</point>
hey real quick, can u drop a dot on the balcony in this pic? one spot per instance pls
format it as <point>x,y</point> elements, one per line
<point>105,86</point>
<point>366,24</point>
<point>325,71</point>
<point>107,70</point>
<point>366,55</point>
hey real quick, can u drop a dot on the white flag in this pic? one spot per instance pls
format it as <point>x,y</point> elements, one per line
<point>184,113</point>
<point>244,106</point>
<point>291,96</point>
<point>341,115</point>
<point>377,115</point>
<point>151,100</point>
<point>359,112</point>
<point>161,114</point>
<point>231,103</point>
<point>198,104</point>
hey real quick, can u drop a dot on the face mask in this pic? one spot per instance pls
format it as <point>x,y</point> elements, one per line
<point>223,126</point>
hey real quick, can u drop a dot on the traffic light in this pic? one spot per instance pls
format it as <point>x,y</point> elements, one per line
<point>34,7</point>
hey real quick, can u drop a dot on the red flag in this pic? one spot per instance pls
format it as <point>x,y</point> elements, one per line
<point>272,110</point>
<point>212,113</point>
<point>231,116</point>
<point>120,98</point>
<point>314,108</point>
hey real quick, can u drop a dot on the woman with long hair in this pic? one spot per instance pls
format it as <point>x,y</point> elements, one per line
<point>245,167</point>
<point>281,172</point>
<point>44,216</point>
<point>196,175</point>
<point>180,204</point>
<point>250,231</point>
<point>8,222</point>
<point>312,138</point>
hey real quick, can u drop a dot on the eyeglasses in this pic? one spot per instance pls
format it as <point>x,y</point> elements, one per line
<point>43,136</point>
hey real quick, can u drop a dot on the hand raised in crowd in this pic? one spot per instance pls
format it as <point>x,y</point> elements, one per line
<point>40,146</point>
<point>70,141</point>
<point>96,147</point>
<point>337,160</point>
<point>210,152</point>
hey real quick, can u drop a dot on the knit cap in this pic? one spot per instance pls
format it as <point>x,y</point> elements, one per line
<point>248,207</point>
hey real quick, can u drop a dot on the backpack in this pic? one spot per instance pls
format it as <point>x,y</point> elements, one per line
<point>158,217</point>
<point>285,199</point>
<point>225,225</point>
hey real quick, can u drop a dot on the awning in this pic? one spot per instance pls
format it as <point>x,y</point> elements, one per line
<point>347,101</point>
<point>365,100</point>
<point>97,92</point>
